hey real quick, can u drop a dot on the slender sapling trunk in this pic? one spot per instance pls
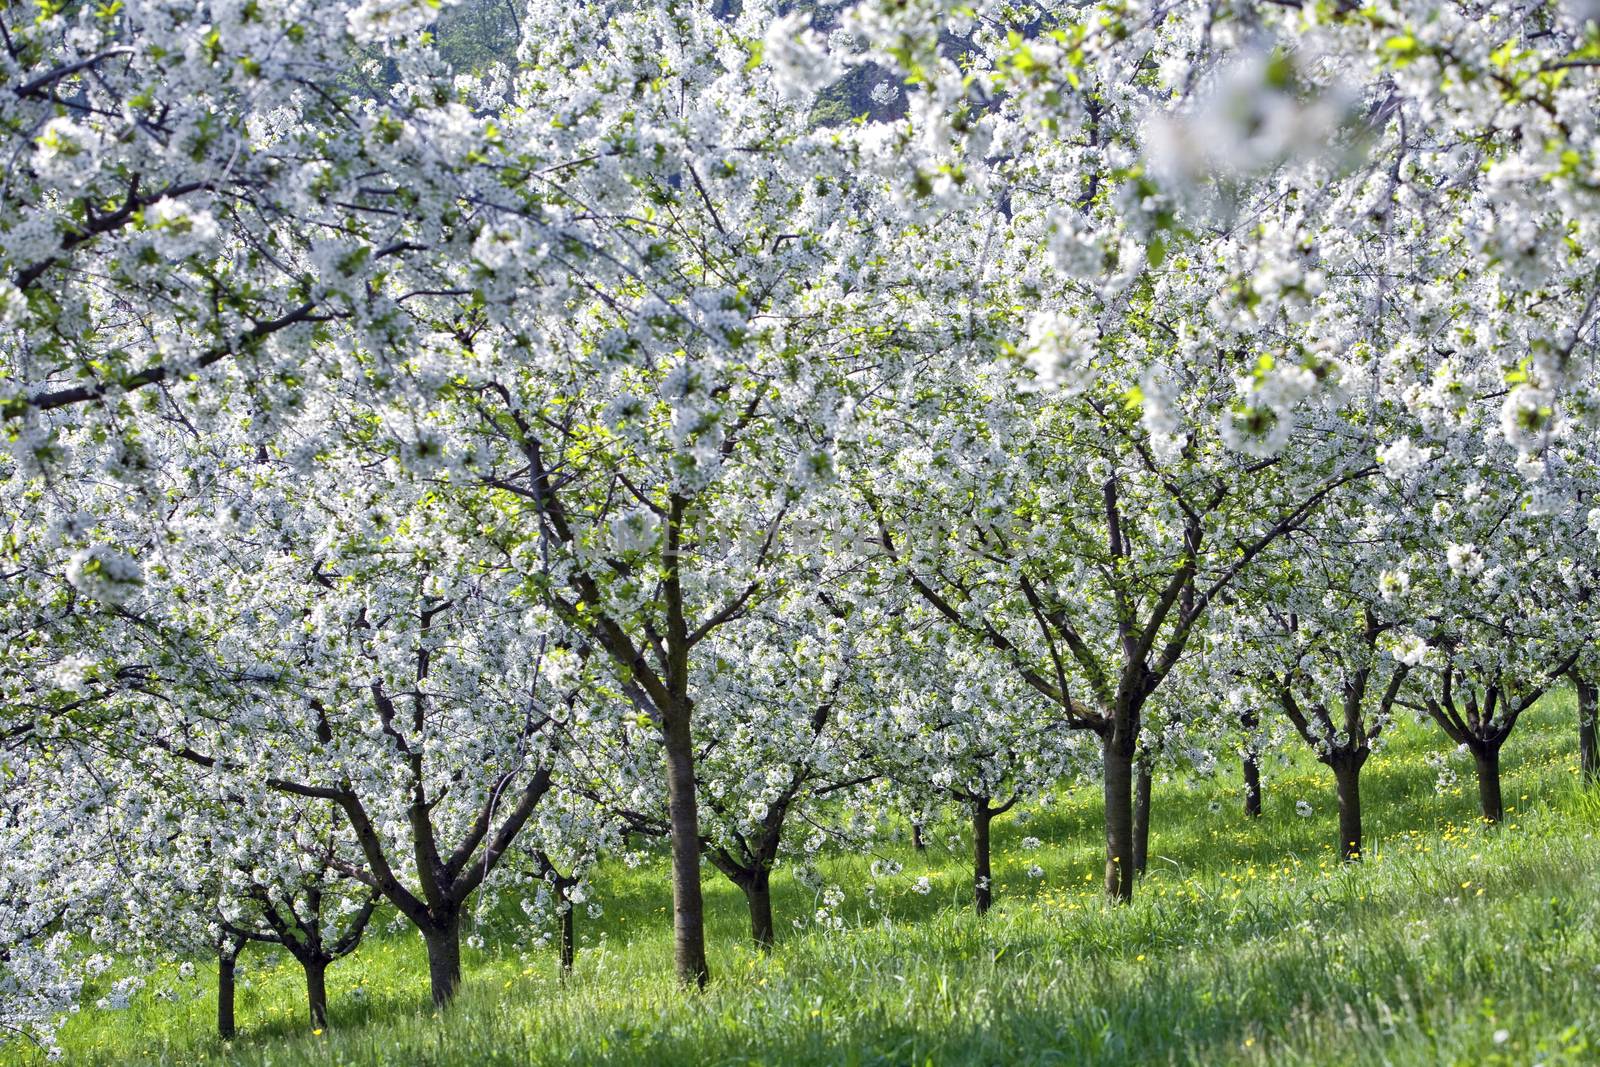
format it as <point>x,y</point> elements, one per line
<point>758,895</point>
<point>1252,785</point>
<point>1588,744</point>
<point>1141,818</point>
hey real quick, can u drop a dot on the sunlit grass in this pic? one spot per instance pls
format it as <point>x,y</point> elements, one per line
<point>1249,943</point>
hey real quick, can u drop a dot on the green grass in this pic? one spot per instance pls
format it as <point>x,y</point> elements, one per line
<point>1248,944</point>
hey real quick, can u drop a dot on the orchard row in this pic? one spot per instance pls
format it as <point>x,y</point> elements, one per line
<point>421,483</point>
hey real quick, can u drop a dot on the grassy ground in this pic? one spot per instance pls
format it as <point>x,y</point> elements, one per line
<point>1451,944</point>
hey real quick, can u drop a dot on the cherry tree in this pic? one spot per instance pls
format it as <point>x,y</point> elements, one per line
<point>1499,617</point>
<point>648,439</point>
<point>782,750</point>
<point>423,462</point>
<point>1313,640</point>
<point>46,888</point>
<point>369,666</point>
<point>1337,152</point>
<point>785,742</point>
<point>1051,534</point>
<point>954,725</point>
<point>306,906</point>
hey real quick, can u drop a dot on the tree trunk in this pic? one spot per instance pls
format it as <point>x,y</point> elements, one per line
<point>227,964</point>
<point>1347,779</point>
<point>317,992</point>
<point>1487,757</point>
<point>444,959</point>
<point>758,894</point>
<point>569,942</point>
<point>688,909</point>
<point>1118,760</point>
<point>982,886</point>
<point>1252,784</point>
<point>1588,748</point>
<point>916,838</point>
<point>1141,819</point>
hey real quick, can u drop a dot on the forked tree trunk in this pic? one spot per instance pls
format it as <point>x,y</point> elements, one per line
<point>316,992</point>
<point>982,875</point>
<point>1347,781</point>
<point>1252,784</point>
<point>1141,818</point>
<point>1588,746</point>
<point>1117,753</point>
<point>444,959</point>
<point>227,969</point>
<point>1487,757</point>
<point>758,895</point>
<point>688,909</point>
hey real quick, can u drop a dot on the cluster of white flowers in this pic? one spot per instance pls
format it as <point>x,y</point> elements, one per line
<point>65,150</point>
<point>1402,458</point>
<point>1463,560</point>
<point>382,21</point>
<point>178,230</point>
<point>1060,351</point>
<point>104,572</point>
<point>799,58</point>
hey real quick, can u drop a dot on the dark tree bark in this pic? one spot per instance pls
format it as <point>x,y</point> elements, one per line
<point>1252,785</point>
<point>1117,754</point>
<point>227,967</point>
<point>753,876</point>
<point>657,667</point>
<point>1483,727</point>
<point>758,894</point>
<point>569,941</point>
<point>683,815</point>
<point>983,816</point>
<point>982,873</point>
<point>316,991</point>
<point>1347,780</point>
<point>445,879</point>
<point>1141,818</point>
<point>447,883</point>
<point>1252,766</point>
<point>1588,745</point>
<point>748,858</point>
<point>443,941</point>
<point>917,841</point>
<point>1487,757</point>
